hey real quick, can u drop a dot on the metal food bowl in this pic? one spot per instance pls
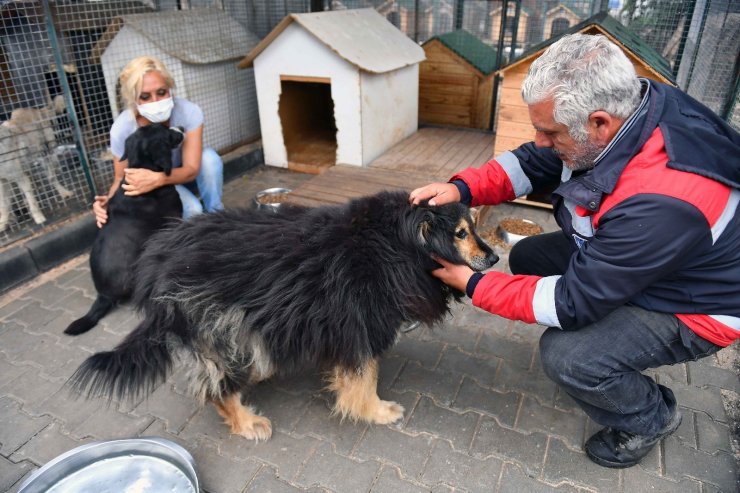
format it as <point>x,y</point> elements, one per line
<point>147,464</point>
<point>270,198</point>
<point>510,237</point>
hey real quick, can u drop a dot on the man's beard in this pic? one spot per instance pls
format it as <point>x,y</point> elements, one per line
<point>583,156</point>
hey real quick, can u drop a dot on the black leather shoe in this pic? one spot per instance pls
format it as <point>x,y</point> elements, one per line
<point>620,449</point>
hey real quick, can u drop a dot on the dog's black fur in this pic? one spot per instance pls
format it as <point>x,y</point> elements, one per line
<point>250,293</point>
<point>131,221</point>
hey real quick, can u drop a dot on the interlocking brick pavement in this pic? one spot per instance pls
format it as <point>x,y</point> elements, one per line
<point>480,413</point>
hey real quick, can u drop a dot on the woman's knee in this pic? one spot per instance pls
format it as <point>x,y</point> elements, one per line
<point>211,164</point>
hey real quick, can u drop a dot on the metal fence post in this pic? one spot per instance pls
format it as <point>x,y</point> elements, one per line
<point>69,103</point>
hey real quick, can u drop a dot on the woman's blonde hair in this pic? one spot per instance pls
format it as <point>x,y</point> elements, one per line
<point>132,76</point>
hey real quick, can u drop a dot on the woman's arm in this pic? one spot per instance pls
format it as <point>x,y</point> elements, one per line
<point>100,205</point>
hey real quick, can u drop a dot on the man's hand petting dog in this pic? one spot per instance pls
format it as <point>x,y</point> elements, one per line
<point>456,276</point>
<point>437,193</point>
<point>139,181</point>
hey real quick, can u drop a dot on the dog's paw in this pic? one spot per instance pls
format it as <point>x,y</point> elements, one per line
<point>387,412</point>
<point>38,217</point>
<point>255,428</point>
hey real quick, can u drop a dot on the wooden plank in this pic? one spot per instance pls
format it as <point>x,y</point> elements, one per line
<point>512,96</point>
<point>456,157</point>
<point>523,131</point>
<point>512,113</point>
<point>431,154</point>
<point>469,158</point>
<point>405,148</point>
<point>305,78</point>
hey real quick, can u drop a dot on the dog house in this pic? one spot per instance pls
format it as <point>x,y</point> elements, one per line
<point>512,126</point>
<point>334,87</point>
<point>456,81</point>
<point>200,48</point>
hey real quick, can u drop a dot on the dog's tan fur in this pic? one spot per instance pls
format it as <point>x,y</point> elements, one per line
<point>357,396</point>
<point>24,139</point>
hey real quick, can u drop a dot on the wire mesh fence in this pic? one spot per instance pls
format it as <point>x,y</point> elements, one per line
<point>60,61</point>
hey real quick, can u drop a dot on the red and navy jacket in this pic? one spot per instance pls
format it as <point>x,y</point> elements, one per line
<point>656,222</point>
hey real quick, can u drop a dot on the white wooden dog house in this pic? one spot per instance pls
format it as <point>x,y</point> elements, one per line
<point>334,87</point>
<point>200,48</point>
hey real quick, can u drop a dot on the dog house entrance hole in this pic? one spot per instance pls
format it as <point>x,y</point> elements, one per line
<point>307,117</point>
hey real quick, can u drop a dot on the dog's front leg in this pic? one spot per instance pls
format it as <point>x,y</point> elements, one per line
<point>4,207</point>
<point>357,395</point>
<point>24,183</point>
<point>242,420</point>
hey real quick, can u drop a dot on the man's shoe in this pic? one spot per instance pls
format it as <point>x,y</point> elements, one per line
<point>620,449</point>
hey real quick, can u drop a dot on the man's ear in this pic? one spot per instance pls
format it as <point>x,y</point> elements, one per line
<point>602,127</point>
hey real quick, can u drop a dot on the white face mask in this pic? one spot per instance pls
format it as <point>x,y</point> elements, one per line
<point>157,111</point>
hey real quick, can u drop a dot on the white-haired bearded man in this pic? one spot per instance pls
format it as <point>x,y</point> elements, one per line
<point>645,270</point>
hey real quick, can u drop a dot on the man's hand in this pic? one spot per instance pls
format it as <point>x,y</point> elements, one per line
<point>456,276</point>
<point>139,181</point>
<point>100,209</point>
<point>437,193</point>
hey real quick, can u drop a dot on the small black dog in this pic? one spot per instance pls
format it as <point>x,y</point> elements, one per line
<point>250,293</point>
<point>131,221</point>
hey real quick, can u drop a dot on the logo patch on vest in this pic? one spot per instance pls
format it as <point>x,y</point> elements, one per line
<point>579,241</point>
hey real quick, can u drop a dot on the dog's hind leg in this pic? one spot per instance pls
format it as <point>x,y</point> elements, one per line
<point>52,165</point>
<point>24,183</point>
<point>100,307</point>
<point>357,396</point>
<point>241,419</point>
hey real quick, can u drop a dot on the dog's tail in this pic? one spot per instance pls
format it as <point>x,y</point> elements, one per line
<point>135,367</point>
<point>100,307</point>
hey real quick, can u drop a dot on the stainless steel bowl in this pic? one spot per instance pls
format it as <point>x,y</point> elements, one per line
<point>147,464</point>
<point>511,238</point>
<point>269,198</point>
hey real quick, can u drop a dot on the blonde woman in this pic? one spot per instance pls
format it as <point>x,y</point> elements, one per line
<point>146,88</point>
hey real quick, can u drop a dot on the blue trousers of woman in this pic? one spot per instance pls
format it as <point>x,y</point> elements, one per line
<point>600,366</point>
<point>209,185</point>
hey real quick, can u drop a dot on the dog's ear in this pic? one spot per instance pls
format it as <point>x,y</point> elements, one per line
<point>424,224</point>
<point>176,136</point>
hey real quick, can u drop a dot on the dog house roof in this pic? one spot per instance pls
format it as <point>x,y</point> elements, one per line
<point>197,36</point>
<point>363,37</point>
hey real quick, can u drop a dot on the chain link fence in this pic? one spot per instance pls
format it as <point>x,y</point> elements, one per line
<point>59,63</point>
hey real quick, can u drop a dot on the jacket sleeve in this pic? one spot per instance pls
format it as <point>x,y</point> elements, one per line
<point>635,246</point>
<point>511,175</point>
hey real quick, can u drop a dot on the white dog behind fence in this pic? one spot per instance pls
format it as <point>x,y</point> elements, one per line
<point>27,138</point>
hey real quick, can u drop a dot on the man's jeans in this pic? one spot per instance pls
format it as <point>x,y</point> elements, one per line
<point>600,365</point>
<point>209,184</point>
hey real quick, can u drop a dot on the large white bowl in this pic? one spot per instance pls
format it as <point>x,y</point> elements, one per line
<point>142,465</point>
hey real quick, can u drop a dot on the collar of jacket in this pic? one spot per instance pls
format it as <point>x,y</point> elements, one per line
<point>587,188</point>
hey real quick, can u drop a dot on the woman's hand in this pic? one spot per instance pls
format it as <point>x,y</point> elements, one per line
<point>456,276</point>
<point>139,181</point>
<point>100,209</point>
<point>437,193</point>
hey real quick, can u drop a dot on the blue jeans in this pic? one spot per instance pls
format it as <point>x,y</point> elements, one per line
<point>209,184</point>
<point>600,366</point>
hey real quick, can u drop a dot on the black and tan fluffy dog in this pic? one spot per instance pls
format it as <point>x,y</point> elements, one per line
<point>250,294</point>
<point>131,221</point>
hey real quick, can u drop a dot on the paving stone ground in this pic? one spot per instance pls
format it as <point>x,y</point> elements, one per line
<point>480,414</point>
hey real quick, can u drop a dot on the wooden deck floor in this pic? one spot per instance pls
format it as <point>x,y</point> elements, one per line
<point>431,154</point>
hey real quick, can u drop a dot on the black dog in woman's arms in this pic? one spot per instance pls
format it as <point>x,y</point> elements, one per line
<point>250,293</point>
<point>131,221</point>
